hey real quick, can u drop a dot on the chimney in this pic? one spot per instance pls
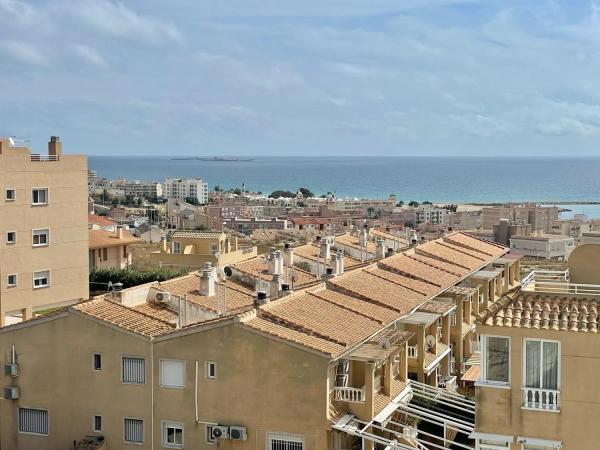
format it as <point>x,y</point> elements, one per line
<point>163,244</point>
<point>362,237</point>
<point>279,266</point>
<point>325,249</point>
<point>328,274</point>
<point>261,298</point>
<point>285,289</point>
<point>340,270</point>
<point>288,255</point>
<point>380,249</point>
<point>207,281</point>
<point>54,146</point>
<point>271,262</point>
<point>275,286</point>
<point>334,263</point>
<point>119,231</point>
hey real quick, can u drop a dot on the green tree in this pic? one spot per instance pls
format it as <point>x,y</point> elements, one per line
<point>237,191</point>
<point>306,192</point>
<point>192,201</point>
<point>400,204</point>
<point>427,202</point>
<point>279,194</point>
<point>413,203</point>
<point>217,188</point>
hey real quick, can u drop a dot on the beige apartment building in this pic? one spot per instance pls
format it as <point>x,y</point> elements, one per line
<point>190,248</point>
<point>43,230</point>
<point>216,359</point>
<point>111,249</point>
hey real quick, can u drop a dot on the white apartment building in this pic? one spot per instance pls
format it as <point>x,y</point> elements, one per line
<point>545,246</point>
<point>182,188</point>
<point>431,214</point>
<point>146,189</point>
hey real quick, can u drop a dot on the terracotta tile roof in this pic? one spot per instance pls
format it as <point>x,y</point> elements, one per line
<point>236,295</point>
<point>472,374</point>
<point>336,412</point>
<point>253,266</point>
<point>385,234</point>
<point>546,312</point>
<point>380,401</point>
<point>430,357</point>
<point>352,241</point>
<point>285,332</point>
<point>480,245</point>
<point>445,252</point>
<point>407,282</point>
<point>100,220</point>
<point>124,317</point>
<point>461,290</point>
<point>311,252</point>
<point>376,312</point>
<point>195,234</point>
<point>321,318</point>
<point>103,239</point>
<point>437,307</point>
<point>158,311</point>
<point>442,265</point>
<point>414,268</point>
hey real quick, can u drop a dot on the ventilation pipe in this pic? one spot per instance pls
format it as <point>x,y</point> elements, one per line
<point>261,298</point>
<point>207,281</point>
<point>288,255</point>
<point>279,262</point>
<point>275,286</point>
<point>380,249</point>
<point>325,249</point>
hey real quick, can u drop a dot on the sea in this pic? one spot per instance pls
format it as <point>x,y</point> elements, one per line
<point>435,179</point>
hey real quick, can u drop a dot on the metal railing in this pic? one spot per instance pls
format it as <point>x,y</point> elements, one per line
<point>38,157</point>
<point>413,351</point>
<point>447,382</point>
<point>543,399</point>
<point>556,282</point>
<point>350,394</point>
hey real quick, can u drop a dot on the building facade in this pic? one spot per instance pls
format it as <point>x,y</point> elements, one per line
<point>182,188</point>
<point>44,230</point>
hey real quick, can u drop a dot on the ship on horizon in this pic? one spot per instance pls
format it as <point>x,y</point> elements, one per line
<point>213,158</point>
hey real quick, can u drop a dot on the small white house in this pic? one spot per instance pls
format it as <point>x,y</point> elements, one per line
<point>150,233</point>
<point>547,246</point>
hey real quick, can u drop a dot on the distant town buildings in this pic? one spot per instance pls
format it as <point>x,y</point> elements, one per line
<point>44,231</point>
<point>186,188</point>
<point>545,246</point>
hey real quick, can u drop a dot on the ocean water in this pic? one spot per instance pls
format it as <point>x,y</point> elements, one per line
<point>437,179</point>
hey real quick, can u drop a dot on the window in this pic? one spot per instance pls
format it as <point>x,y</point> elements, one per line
<point>96,361</point>
<point>172,373</point>
<point>124,252</point>
<point>496,358</point>
<point>41,279</point>
<point>97,424</point>
<point>103,254</point>
<point>486,444</point>
<point>134,370</point>
<point>33,421</point>
<point>280,441</point>
<point>10,195</point>
<point>133,430</point>
<point>41,237</point>
<point>541,373</point>
<point>11,237</point>
<point>172,434</point>
<point>176,247</point>
<point>11,280</point>
<point>211,370</point>
<point>39,196</point>
<point>208,437</point>
<point>453,319</point>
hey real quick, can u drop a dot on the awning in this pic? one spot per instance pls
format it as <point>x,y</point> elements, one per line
<point>472,374</point>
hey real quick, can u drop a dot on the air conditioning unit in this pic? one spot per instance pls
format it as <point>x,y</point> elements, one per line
<point>11,392</point>
<point>237,433</point>
<point>11,369</point>
<point>163,297</point>
<point>220,432</point>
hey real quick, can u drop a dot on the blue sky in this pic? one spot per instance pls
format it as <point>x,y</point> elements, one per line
<point>279,77</point>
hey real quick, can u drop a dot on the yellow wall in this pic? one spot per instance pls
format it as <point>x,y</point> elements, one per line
<point>583,264</point>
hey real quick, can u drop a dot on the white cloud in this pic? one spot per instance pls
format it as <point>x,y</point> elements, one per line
<point>89,55</point>
<point>23,52</point>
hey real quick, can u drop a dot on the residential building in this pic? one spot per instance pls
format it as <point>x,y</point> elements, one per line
<point>150,233</point>
<point>537,216</point>
<point>590,237</point>
<point>189,248</point>
<point>108,249</point>
<point>146,189</point>
<point>504,230</point>
<point>43,230</point>
<point>182,188</point>
<point>232,211</point>
<point>192,360</point>
<point>96,222</point>
<point>247,226</point>
<point>539,365</point>
<point>545,246</point>
<point>431,214</point>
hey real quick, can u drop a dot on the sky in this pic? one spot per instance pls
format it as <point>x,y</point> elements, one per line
<point>310,77</point>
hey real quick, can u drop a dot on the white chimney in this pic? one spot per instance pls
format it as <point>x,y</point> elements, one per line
<point>362,238</point>
<point>279,259</point>
<point>334,263</point>
<point>207,281</point>
<point>272,261</point>
<point>325,250</point>
<point>275,287</point>
<point>119,231</point>
<point>380,249</point>
<point>288,255</point>
<point>340,269</point>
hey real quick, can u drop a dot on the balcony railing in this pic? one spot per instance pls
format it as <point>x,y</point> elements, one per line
<point>556,282</point>
<point>447,383</point>
<point>413,351</point>
<point>38,157</point>
<point>350,394</point>
<point>543,399</point>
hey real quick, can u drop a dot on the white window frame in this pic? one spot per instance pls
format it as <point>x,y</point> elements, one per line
<point>524,365</point>
<point>453,319</point>
<point>8,283</point>
<point>42,285</point>
<point>207,366</point>
<point>123,372</point>
<point>208,439</point>
<point>94,361</point>
<point>174,245</point>
<point>38,230</point>
<point>143,430</point>
<point>94,423</point>
<point>14,192</point>
<point>165,424</point>
<point>483,377</point>
<point>31,432</point>
<point>13,242</point>
<point>284,437</point>
<point>172,386</point>
<point>40,189</point>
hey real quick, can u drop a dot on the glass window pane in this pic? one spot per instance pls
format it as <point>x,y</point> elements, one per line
<point>550,366</point>
<point>532,364</point>
<point>497,359</point>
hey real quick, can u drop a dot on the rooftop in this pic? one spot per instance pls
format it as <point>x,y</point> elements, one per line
<point>103,238</point>
<point>182,234</point>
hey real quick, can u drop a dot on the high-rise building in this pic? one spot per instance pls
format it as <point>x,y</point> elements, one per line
<point>43,230</point>
<point>182,188</point>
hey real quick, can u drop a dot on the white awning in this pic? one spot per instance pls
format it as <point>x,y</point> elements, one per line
<point>540,442</point>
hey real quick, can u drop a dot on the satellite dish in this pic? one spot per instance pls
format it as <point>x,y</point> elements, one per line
<point>228,271</point>
<point>430,341</point>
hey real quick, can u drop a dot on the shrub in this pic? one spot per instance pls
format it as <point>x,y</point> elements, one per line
<point>134,277</point>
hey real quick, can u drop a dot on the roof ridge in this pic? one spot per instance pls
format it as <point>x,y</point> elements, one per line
<point>445,244</point>
<point>412,256</point>
<point>346,307</point>
<point>124,307</point>
<point>389,268</point>
<point>487,241</point>
<point>439,258</point>
<point>281,321</point>
<point>398,283</point>
<point>462,244</point>
<point>344,290</point>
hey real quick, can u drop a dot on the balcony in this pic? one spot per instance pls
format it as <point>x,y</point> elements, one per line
<point>349,394</point>
<point>42,158</point>
<point>541,399</point>
<point>556,282</point>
